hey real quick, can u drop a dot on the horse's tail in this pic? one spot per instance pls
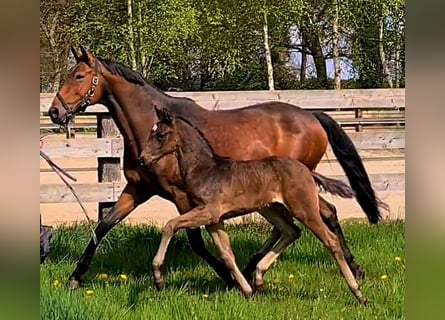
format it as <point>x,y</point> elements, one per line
<point>352,164</point>
<point>333,186</point>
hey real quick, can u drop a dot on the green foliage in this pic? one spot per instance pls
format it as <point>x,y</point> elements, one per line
<point>215,45</point>
<point>316,290</point>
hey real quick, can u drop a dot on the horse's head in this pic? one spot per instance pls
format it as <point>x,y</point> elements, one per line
<point>163,139</point>
<point>83,87</point>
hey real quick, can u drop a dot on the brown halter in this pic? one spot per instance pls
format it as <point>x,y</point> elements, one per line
<point>86,101</point>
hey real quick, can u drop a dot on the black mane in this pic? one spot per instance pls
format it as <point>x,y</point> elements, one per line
<point>123,71</point>
<point>203,138</point>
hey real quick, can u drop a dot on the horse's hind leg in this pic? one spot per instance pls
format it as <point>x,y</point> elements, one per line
<point>329,215</point>
<point>278,210</point>
<point>312,220</point>
<point>130,198</point>
<point>256,258</point>
<point>289,233</point>
<point>222,243</point>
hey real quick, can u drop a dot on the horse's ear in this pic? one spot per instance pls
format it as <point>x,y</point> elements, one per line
<point>83,51</point>
<point>87,56</point>
<point>76,56</point>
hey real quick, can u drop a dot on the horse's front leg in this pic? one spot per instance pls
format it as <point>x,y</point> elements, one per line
<point>195,218</point>
<point>197,242</point>
<point>130,198</point>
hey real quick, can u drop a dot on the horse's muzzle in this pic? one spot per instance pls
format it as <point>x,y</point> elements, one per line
<point>57,115</point>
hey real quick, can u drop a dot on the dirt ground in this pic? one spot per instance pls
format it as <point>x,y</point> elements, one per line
<point>158,211</point>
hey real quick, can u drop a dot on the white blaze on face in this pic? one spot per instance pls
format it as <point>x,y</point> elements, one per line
<point>155,127</point>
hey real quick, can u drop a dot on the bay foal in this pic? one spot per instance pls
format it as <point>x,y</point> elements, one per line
<point>223,188</point>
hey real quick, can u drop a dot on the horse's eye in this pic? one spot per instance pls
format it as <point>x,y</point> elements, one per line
<point>79,77</point>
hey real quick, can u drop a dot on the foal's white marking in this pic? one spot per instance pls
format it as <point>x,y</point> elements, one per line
<point>155,127</point>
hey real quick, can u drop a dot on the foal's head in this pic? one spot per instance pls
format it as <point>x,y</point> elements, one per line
<point>163,139</point>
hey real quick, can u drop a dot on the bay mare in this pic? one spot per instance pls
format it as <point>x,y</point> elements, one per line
<point>250,133</point>
<point>221,188</point>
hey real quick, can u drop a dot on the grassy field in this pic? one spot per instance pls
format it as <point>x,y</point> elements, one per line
<point>304,284</point>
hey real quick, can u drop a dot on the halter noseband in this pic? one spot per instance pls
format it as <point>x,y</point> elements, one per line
<point>86,101</point>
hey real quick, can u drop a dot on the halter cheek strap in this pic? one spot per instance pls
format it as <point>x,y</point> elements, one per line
<point>86,101</point>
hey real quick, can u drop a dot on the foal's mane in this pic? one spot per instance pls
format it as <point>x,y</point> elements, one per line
<point>202,138</point>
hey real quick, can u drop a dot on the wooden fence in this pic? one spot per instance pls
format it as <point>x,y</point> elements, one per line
<point>361,112</point>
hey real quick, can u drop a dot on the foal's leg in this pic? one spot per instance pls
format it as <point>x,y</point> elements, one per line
<point>329,215</point>
<point>131,197</point>
<point>195,218</point>
<point>197,242</point>
<point>289,233</point>
<point>222,243</point>
<point>310,217</point>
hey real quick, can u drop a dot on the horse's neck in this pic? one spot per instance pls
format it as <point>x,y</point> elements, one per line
<point>131,107</point>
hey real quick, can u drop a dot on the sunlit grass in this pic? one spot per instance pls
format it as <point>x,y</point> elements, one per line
<point>304,284</point>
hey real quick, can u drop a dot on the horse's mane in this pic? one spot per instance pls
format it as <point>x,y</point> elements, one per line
<point>123,71</point>
<point>202,138</point>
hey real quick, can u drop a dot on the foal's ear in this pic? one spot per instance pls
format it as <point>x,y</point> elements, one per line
<point>163,115</point>
<point>166,118</point>
<point>158,112</point>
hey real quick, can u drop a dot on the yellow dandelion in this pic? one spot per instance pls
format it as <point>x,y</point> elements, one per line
<point>205,296</point>
<point>276,280</point>
<point>123,277</point>
<point>103,276</point>
<point>398,259</point>
<point>384,277</point>
<point>56,283</point>
<point>291,277</point>
<point>90,293</point>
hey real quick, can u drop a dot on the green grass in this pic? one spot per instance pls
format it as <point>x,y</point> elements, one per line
<point>193,291</point>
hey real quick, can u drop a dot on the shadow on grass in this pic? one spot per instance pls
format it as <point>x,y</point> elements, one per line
<point>131,250</point>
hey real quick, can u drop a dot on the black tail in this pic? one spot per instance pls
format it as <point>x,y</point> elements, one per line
<point>352,164</point>
<point>333,186</point>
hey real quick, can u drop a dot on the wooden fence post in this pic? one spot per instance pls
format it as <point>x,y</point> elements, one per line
<point>70,131</point>
<point>108,168</point>
<point>358,116</point>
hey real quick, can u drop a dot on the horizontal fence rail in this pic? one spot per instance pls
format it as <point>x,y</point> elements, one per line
<point>356,108</point>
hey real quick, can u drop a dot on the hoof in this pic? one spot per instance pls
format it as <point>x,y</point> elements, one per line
<point>230,283</point>
<point>159,285</point>
<point>258,284</point>
<point>363,301</point>
<point>73,284</point>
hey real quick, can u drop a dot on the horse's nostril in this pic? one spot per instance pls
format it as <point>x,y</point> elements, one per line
<point>53,113</point>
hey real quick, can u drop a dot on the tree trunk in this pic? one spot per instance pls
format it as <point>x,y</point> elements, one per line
<point>313,43</point>
<point>270,80</point>
<point>386,73</point>
<point>131,35</point>
<point>303,62</point>
<point>398,67</point>
<point>336,51</point>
